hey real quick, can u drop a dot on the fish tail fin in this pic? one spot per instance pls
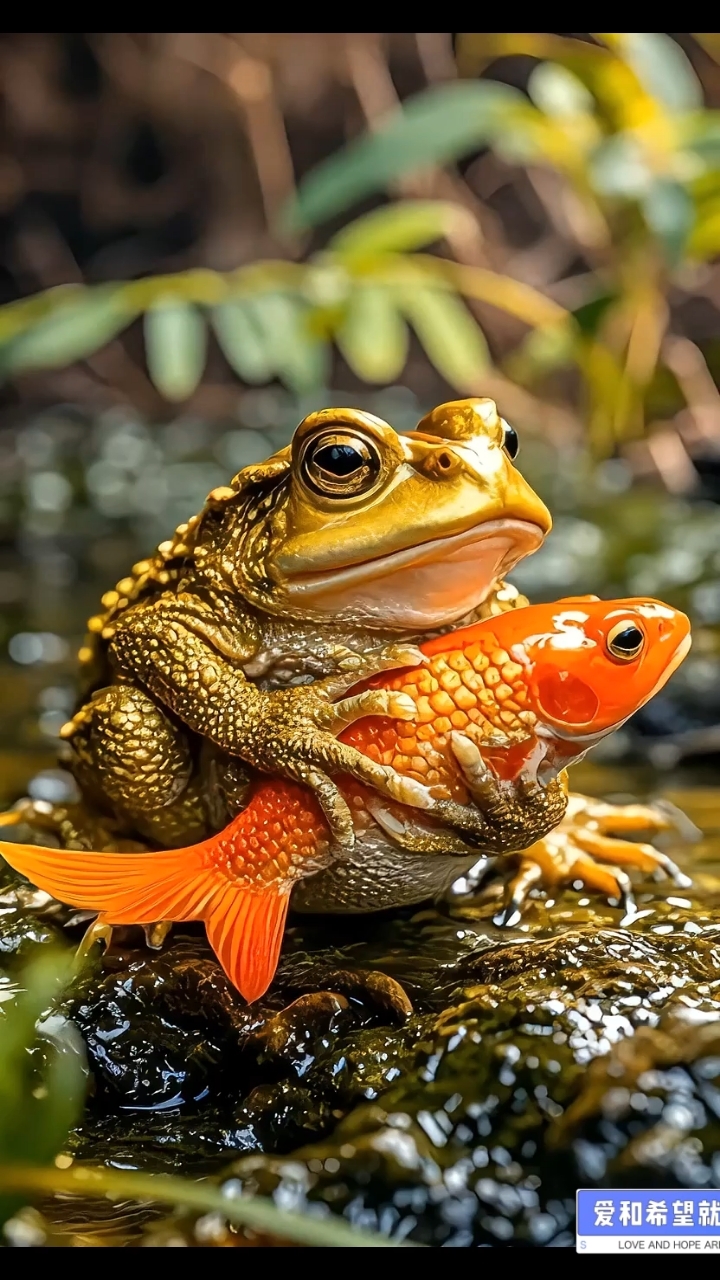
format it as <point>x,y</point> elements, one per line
<point>244,926</point>
<point>245,929</point>
<point>126,888</point>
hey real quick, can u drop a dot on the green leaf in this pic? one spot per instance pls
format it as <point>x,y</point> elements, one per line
<point>175,342</point>
<point>78,324</point>
<point>702,136</point>
<point>590,315</point>
<point>664,70</point>
<point>42,1071</point>
<point>374,337</point>
<point>439,125</point>
<point>618,167</point>
<point>400,228</point>
<point>228,1201</point>
<point>670,214</point>
<point>559,93</point>
<point>243,340</point>
<point>299,357</point>
<point>704,242</point>
<point>542,352</point>
<point>452,339</point>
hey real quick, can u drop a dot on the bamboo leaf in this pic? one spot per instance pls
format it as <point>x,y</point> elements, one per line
<point>401,227</point>
<point>257,1212</point>
<point>243,340</point>
<point>663,69</point>
<point>299,357</point>
<point>449,335</point>
<point>441,124</point>
<point>542,352</point>
<point>503,292</point>
<point>175,341</point>
<point>704,241</point>
<point>670,213</point>
<point>558,92</point>
<point>701,133</point>
<point>78,324</point>
<point>374,337</point>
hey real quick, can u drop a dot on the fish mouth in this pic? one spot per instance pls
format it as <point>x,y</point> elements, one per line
<point>430,584</point>
<point>587,740</point>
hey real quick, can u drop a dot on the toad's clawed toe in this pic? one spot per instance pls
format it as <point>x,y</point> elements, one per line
<point>581,849</point>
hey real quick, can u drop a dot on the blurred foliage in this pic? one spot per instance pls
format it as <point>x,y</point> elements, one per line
<point>622,125</point>
<point>603,137</point>
<point>276,319</point>
<point>42,1072</point>
<point>228,1203</point>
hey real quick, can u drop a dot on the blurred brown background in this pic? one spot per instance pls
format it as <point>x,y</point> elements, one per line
<point>126,156</point>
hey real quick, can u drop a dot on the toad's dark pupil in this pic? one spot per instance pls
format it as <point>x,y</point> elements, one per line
<point>338,459</point>
<point>627,641</point>
<point>511,443</point>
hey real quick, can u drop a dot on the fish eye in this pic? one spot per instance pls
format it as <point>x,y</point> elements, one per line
<point>511,444</point>
<point>625,641</point>
<point>340,464</point>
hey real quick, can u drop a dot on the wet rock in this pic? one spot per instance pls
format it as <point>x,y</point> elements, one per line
<point>25,923</point>
<point>184,1071</point>
<point>162,1031</point>
<point>550,1074</point>
<point>571,1051</point>
<point>648,1114</point>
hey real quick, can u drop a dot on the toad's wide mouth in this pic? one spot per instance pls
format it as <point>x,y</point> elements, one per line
<point>424,586</point>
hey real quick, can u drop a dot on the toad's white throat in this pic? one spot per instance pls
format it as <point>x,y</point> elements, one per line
<point>421,587</point>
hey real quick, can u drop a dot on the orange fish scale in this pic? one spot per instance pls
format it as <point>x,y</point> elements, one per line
<point>269,848</point>
<point>477,690</point>
<point>459,691</point>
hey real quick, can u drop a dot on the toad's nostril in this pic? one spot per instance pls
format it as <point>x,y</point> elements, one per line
<point>441,463</point>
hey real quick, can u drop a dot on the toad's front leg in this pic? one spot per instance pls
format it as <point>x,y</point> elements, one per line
<point>180,656</point>
<point>502,818</point>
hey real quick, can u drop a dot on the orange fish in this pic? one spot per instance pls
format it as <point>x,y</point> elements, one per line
<point>535,688</point>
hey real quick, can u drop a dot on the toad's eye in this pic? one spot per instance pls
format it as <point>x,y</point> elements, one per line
<point>340,464</point>
<point>511,444</point>
<point>625,642</point>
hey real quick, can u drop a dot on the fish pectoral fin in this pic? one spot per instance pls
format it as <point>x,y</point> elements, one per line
<point>245,929</point>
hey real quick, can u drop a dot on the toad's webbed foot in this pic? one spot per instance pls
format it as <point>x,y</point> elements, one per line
<point>582,849</point>
<point>99,931</point>
<point>156,934</point>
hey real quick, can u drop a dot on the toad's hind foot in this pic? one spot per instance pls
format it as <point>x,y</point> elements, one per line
<point>582,849</point>
<point>73,826</point>
<point>373,988</point>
